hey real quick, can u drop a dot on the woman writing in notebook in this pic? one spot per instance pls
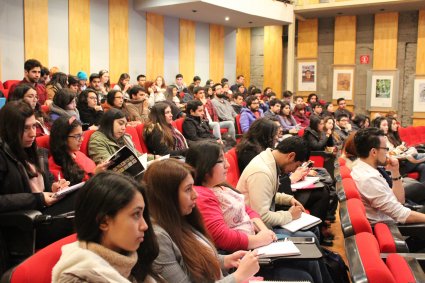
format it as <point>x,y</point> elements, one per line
<point>231,224</point>
<point>66,159</point>
<point>186,253</point>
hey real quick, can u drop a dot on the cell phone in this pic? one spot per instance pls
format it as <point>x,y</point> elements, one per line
<point>307,164</point>
<point>301,240</point>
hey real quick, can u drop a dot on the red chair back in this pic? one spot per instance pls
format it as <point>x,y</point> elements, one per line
<point>341,161</point>
<point>38,267</point>
<point>43,141</point>
<point>350,189</point>
<point>85,144</point>
<point>357,214</point>
<point>45,108</point>
<point>319,161</point>
<point>135,137</point>
<point>9,83</point>
<point>139,130</point>
<point>178,124</point>
<point>301,132</point>
<point>345,172</point>
<point>233,173</point>
<point>238,123</point>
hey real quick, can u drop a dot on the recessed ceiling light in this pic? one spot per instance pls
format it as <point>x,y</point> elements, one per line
<point>227,18</point>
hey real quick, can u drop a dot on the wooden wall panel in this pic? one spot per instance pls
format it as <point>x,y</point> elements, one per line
<point>154,45</point>
<point>118,39</point>
<point>273,57</point>
<point>345,40</point>
<point>308,34</point>
<point>385,41</point>
<point>79,35</point>
<point>243,54</point>
<point>420,58</point>
<point>216,52</point>
<point>35,30</point>
<point>187,49</point>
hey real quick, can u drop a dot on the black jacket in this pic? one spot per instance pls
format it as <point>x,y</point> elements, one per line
<point>15,191</point>
<point>317,141</point>
<point>195,129</point>
<point>155,145</point>
<point>89,115</point>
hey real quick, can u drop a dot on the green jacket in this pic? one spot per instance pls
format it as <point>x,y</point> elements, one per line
<point>101,147</point>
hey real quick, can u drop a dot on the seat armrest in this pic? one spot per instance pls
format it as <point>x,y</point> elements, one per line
<point>346,225</point>
<point>321,153</point>
<point>416,230</point>
<point>399,239</point>
<point>357,271</point>
<point>340,191</point>
<point>22,219</point>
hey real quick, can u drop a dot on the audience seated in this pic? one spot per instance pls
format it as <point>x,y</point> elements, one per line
<point>342,108</point>
<point>360,121</point>
<point>209,114</point>
<point>288,122</point>
<point>104,83</point>
<point>237,102</point>
<point>329,110</point>
<point>110,137</point>
<point>138,105</point>
<point>161,137</point>
<point>157,91</point>
<point>115,99</point>
<point>123,85</point>
<point>25,180</point>
<point>116,242</point>
<point>180,231</point>
<point>66,159</point>
<point>225,112</point>
<point>172,95</point>
<point>382,202</point>
<point>300,116</point>
<point>195,128</point>
<point>315,136</point>
<point>343,126</point>
<point>59,81</point>
<point>250,113</point>
<point>312,98</point>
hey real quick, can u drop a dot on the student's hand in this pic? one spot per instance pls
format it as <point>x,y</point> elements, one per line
<point>98,108</point>
<point>329,132</point>
<point>299,174</point>
<point>60,184</point>
<point>393,165</point>
<point>247,267</point>
<point>220,141</point>
<point>49,199</point>
<point>295,212</point>
<point>93,127</point>
<point>101,167</point>
<point>127,86</point>
<point>297,203</point>
<point>312,173</point>
<point>348,127</point>
<point>264,237</point>
<point>293,131</point>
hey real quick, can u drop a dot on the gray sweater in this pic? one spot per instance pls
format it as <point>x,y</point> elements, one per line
<point>224,109</point>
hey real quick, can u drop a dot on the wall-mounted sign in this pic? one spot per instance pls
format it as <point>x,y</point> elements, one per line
<point>364,59</point>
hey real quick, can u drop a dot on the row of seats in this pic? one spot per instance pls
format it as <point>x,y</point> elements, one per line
<point>364,243</point>
<point>413,136</point>
<point>4,87</point>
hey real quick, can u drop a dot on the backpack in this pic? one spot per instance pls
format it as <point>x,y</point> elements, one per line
<point>337,268</point>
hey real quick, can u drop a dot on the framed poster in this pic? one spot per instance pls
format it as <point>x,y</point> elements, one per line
<point>382,90</point>
<point>419,95</point>
<point>307,75</point>
<point>343,83</point>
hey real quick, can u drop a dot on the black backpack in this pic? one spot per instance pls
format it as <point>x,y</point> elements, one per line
<point>336,266</point>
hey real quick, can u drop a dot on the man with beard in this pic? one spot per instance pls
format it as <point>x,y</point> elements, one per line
<point>382,202</point>
<point>250,113</point>
<point>32,76</point>
<point>225,112</point>
<point>94,83</point>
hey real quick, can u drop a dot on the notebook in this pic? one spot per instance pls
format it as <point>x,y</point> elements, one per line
<point>304,222</point>
<point>68,190</point>
<point>278,249</point>
<point>307,183</point>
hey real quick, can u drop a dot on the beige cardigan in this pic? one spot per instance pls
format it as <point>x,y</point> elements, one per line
<point>259,184</point>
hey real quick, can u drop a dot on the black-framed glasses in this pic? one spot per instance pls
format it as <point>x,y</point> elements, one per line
<point>386,148</point>
<point>78,137</point>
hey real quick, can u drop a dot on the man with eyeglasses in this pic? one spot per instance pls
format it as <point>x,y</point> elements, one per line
<point>343,126</point>
<point>250,113</point>
<point>342,108</point>
<point>382,202</point>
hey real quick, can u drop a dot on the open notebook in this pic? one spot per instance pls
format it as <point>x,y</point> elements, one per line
<point>307,183</point>
<point>304,222</point>
<point>278,249</point>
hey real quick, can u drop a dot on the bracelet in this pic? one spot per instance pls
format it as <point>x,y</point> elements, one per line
<point>396,179</point>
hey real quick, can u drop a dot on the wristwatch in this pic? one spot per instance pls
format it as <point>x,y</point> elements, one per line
<point>396,179</point>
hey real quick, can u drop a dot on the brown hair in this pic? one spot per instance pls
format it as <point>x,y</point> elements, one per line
<point>163,179</point>
<point>350,147</point>
<point>157,120</point>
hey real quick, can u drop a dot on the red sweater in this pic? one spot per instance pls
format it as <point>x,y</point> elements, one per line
<point>39,88</point>
<point>82,161</point>
<point>224,237</point>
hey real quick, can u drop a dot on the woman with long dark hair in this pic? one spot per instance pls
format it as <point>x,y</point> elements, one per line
<point>110,137</point>
<point>160,135</point>
<point>116,242</point>
<point>28,93</point>
<point>66,159</point>
<point>262,134</point>
<point>59,81</point>
<point>316,136</point>
<point>90,111</point>
<point>124,85</point>
<point>288,122</point>
<point>187,254</point>
<point>64,104</point>
<point>115,99</point>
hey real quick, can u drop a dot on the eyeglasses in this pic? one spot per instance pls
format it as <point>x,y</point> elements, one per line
<point>78,137</point>
<point>386,148</point>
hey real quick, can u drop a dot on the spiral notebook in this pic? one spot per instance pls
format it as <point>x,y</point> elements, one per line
<point>278,249</point>
<point>306,221</point>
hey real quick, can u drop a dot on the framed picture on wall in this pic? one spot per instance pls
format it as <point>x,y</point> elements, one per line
<point>343,82</point>
<point>382,89</point>
<point>419,95</point>
<point>307,75</point>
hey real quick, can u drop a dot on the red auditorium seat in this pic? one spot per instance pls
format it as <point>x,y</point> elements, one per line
<point>301,132</point>
<point>6,93</point>
<point>350,189</point>
<point>9,83</point>
<point>45,108</point>
<point>341,161</point>
<point>1,86</point>
<point>38,267</point>
<point>135,137</point>
<point>178,124</point>
<point>319,161</point>
<point>43,141</point>
<point>238,124</point>
<point>233,173</point>
<point>345,172</point>
<point>139,129</point>
<point>85,144</point>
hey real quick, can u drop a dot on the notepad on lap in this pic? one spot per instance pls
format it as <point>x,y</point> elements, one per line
<point>307,183</point>
<point>68,190</point>
<point>278,249</point>
<point>304,222</point>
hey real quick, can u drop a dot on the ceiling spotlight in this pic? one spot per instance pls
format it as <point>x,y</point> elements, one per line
<point>227,18</point>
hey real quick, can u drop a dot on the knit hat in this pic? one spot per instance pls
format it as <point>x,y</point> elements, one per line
<point>82,76</point>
